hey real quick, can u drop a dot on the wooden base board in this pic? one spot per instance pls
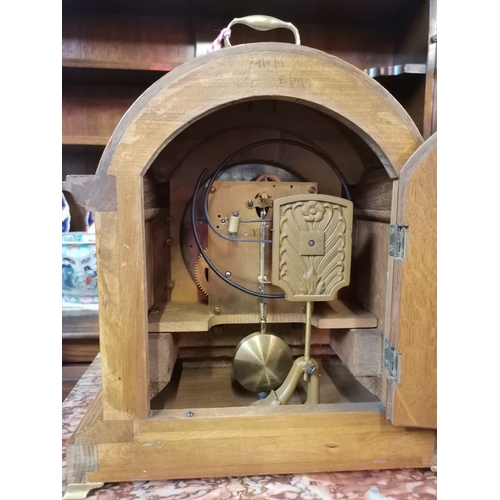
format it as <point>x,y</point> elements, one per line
<point>350,434</point>
<point>252,441</point>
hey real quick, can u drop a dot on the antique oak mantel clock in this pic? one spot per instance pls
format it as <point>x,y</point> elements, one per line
<point>266,242</point>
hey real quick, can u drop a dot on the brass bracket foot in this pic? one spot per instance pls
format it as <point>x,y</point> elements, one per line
<point>80,491</point>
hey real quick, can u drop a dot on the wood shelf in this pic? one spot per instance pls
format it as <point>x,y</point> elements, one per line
<point>80,324</point>
<point>80,345</point>
<point>91,113</point>
<point>197,317</point>
<point>95,100</point>
<point>120,41</point>
<point>79,160</point>
<point>396,70</point>
<point>163,42</point>
<point>70,376</point>
<point>383,13</point>
<point>124,65</point>
<point>80,350</point>
<point>82,140</point>
<point>106,77</point>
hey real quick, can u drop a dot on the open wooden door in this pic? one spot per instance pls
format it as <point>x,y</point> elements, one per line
<point>410,355</point>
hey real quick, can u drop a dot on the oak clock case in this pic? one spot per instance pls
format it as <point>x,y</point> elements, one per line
<point>263,215</point>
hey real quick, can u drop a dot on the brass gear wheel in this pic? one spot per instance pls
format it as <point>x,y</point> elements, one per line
<point>268,178</point>
<point>201,274</point>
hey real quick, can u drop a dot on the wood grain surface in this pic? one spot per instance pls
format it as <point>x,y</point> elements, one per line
<point>163,42</point>
<point>79,350</point>
<point>123,303</point>
<point>197,317</point>
<point>257,71</point>
<point>267,444</point>
<point>414,318</point>
<point>359,349</point>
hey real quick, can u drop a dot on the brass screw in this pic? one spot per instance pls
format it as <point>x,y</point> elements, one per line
<point>170,220</point>
<point>212,190</point>
<point>169,241</point>
<point>170,284</point>
<point>217,311</point>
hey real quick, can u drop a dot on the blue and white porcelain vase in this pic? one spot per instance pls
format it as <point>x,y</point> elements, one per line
<point>79,270</point>
<point>66,216</point>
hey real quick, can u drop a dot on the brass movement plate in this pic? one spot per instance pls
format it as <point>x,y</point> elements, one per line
<point>242,260</point>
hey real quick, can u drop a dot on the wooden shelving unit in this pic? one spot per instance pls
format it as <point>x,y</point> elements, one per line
<point>112,51</point>
<point>121,48</point>
<point>80,338</point>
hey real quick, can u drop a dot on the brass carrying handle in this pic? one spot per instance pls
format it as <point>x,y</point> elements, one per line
<point>263,23</point>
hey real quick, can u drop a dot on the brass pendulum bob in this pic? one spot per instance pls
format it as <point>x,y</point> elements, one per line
<point>262,360</point>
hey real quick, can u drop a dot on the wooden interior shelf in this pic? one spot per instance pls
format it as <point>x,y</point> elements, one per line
<point>197,317</point>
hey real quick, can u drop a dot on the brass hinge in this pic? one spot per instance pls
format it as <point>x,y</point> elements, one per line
<point>398,242</point>
<point>392,361</point>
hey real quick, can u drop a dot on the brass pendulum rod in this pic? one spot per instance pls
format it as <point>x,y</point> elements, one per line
<point>307,340</point>
<point>263,317</point>
<point>307,346</point>
<point>262,277</point>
